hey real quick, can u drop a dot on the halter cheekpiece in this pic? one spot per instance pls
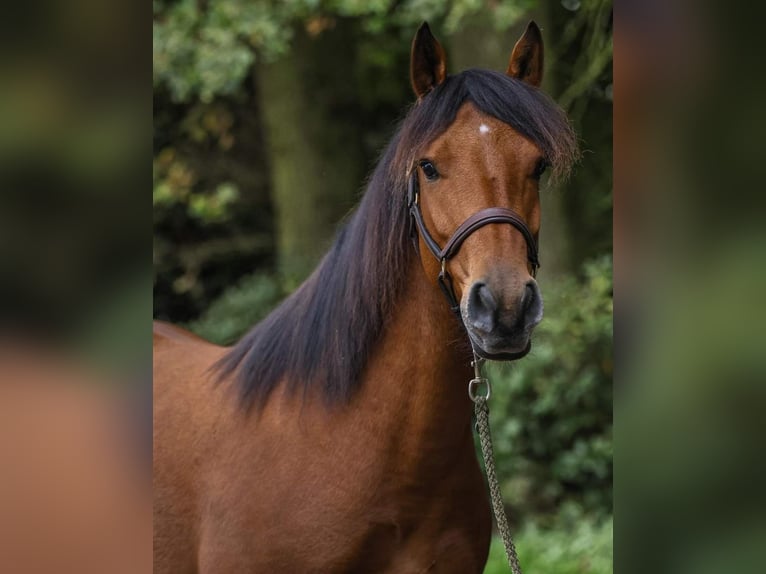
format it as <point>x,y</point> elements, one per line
<point>473,223</point>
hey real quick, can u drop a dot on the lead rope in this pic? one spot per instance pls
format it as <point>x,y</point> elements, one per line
<point>481,408</point>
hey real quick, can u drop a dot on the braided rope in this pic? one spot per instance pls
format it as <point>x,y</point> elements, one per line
<point>485,439</point>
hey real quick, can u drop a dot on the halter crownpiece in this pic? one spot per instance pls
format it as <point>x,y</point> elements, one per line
<point>473,223</point>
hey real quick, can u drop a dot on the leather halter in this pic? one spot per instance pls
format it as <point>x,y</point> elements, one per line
<point>473,223</point>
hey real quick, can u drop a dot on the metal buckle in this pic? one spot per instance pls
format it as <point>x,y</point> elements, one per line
<point>413,191</point>
<point>472,388</point>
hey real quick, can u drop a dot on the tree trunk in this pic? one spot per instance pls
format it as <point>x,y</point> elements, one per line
<point>314,144</point>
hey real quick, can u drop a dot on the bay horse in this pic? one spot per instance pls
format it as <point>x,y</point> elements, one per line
<point>336,435</point>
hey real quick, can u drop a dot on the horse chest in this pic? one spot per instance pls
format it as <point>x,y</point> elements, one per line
<point>351,521</point>
<point>439,536</point>
<point>401,537</point>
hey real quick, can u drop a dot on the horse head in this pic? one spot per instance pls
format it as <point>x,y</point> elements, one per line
<point>482,170</point>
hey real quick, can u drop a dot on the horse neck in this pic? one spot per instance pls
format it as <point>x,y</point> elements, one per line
<point>416,384</point>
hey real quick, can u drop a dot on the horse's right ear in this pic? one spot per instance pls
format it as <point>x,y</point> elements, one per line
<point>526,62</point>
<point>428,66</point>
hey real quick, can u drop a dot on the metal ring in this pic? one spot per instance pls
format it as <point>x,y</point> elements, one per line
<point>473,383</point>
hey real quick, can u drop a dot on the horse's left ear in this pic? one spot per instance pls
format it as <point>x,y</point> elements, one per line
<point>428,66</point>
<point>526,62</point>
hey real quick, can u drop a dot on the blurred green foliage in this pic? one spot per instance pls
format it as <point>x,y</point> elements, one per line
<point>175,185</point>
<point>582,546</point>
<point>552,422</point>
<point>230,34</point>
<point>239,308</point>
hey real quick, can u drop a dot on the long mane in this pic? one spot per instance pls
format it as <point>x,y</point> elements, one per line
<point>324,333</point>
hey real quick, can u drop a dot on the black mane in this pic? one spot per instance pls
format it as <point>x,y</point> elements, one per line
<point>323,334</point>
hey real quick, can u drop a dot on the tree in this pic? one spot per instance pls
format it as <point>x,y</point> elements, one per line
<point>314,142</point>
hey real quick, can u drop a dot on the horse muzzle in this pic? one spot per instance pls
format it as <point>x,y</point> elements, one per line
<point>498,330</point>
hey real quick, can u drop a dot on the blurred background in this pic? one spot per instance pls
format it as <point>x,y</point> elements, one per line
<point>267,118</point>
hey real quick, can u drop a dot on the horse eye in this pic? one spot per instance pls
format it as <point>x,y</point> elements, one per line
<point>540,168</point>
<point>429,170</point>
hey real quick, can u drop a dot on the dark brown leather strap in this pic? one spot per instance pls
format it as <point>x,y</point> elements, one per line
<point>476,221</point>
<point>433,247</point>
<point>485,217</point>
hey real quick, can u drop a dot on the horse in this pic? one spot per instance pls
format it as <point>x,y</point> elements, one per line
<point>336,435</point>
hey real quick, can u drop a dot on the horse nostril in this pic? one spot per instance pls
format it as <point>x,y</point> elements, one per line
<point>528,297</point>
<point>481,307</point>
<point>531,305</point>
<point>486,298</point>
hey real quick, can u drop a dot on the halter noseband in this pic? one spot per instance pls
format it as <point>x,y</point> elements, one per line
<point>474,222</point>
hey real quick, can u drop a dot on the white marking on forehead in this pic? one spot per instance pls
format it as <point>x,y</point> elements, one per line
<point>483,128</point>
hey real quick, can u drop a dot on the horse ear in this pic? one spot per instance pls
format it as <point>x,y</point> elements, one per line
<point>526,62</point>
<point>427,62</point>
